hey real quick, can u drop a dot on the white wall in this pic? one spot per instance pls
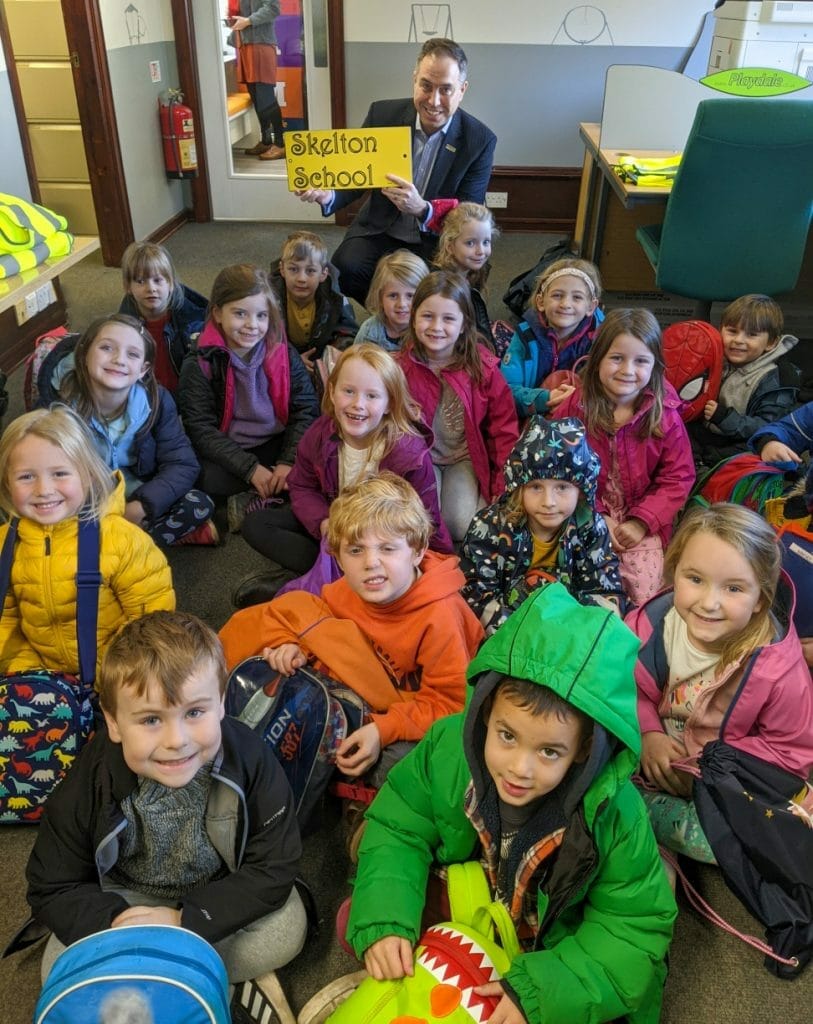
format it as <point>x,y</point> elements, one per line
<point>530,80</point>
<point>133,41</point>
<point>531,22</point>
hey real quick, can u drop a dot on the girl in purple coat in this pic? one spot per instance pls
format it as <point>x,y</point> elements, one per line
<point>463,398</point>
<point>633,421</point>
<point>369,423</point>
<point>719,659</point>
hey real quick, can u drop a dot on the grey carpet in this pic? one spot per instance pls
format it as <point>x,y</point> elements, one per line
<point>714,979</point>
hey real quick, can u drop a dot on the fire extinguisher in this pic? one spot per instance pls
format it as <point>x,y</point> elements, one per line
<point>178,134</point>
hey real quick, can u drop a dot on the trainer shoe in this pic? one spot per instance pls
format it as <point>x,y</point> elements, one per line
<point>262,1000</point>
<point>206,534</point>
<point>236,509</point>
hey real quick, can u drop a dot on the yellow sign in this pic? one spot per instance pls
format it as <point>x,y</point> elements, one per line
<point>347,157</point>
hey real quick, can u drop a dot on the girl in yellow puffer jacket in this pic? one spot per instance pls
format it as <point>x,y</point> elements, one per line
<point>51,477</point>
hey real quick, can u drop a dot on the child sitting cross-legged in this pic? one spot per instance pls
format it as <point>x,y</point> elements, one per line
<point>534,779</point>
<point>314,311</point>
<point>394,628</point>
<point>173,815</point>
<point>545,527</point>
<point>172,313</point>
<point>756,388</point>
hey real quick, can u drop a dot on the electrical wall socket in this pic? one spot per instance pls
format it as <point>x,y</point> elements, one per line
<point>45,296</point>
<point>497,200</point>
<point>31,308</point>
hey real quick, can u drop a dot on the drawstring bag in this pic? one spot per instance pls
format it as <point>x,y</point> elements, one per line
<point>758,819</point>
<point>451,960</point>
<point>47,717</point>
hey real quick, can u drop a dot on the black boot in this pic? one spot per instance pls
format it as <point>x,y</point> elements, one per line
<point>259,587</point>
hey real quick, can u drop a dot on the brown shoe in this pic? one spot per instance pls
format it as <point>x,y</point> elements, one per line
<point>261,147</point>
<point>273,153</point>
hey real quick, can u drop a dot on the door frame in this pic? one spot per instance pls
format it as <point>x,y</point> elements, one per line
<point>94,96</point>
<point>97,117</point>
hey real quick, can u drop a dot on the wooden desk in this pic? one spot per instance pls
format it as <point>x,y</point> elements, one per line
<point>609,213</point>
<point>15,341</point>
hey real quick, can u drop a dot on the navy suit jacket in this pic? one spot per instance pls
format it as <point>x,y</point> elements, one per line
<point>462,168</point>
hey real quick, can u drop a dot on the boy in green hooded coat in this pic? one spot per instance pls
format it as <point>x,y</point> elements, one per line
<point>534,779</point>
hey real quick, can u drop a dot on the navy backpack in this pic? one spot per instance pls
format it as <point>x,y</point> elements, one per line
<point>303,718</point>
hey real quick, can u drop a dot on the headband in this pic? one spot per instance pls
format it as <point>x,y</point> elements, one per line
<point>573,272</point>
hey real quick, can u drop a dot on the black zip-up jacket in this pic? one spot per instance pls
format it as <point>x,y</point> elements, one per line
<point>250,820</point>
<point>334,322</point>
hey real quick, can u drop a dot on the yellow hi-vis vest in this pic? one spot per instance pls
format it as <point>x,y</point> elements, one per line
<point>29,235</point>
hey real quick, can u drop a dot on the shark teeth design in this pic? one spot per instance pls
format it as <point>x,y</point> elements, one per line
<point>444,959</point>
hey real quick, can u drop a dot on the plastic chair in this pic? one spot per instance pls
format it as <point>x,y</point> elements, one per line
<point>740,208</point>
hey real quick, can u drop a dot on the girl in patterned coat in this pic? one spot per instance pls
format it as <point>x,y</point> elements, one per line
<point>544,527</point>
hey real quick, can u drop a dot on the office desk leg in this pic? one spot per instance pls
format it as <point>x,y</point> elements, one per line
<point>585,196</point>
<point>599,218</point>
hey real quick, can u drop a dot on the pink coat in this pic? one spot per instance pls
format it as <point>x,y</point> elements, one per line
<point>657,473</point>
<point>490,414</point>
<point>762,705</point>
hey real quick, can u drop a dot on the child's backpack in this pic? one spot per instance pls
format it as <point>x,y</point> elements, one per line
<point>518,293</point>
<point>797,561</point>
<point>46,717</point>
<point>170,974</point>
<point>303,718</point>
<point>43,347</point>
<point>693,354</point>
<point>763,844</point>
<point>742,479</point>
<point>451,960</point>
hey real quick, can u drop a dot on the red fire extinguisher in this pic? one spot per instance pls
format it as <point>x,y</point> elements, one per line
<point>178,134</point>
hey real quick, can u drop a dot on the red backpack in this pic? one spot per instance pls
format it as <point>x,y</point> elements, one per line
<point>693,354</point>
<point>43,346</point>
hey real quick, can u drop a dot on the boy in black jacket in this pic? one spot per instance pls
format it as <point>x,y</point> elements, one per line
<point>313,309</point>
<point>174,815</point>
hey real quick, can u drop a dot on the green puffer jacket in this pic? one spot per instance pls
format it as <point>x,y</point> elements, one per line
<point>605,908</point>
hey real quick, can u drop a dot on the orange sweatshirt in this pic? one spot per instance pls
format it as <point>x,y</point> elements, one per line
<point>407,659</point>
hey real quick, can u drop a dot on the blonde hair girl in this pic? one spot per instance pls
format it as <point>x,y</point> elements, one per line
<point>50,477</point>
<point>463,398</point>
<point>369,423</point>
<point>464,247</point>
<point>107,377</point>
<point>720,660</point>
<point>389,300</point>
<point>557,330</point>
<point>633,421</point>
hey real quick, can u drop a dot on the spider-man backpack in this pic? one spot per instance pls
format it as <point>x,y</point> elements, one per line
<point>693,354</point>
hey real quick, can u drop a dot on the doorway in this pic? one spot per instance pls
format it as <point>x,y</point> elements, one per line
<point>243,187</point>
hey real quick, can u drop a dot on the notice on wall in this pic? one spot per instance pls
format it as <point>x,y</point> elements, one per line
<point>347,157</point>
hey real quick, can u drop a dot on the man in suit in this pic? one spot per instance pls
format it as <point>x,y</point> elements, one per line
<point>452,154</point>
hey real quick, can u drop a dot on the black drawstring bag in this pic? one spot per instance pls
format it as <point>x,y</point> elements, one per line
<point>763,842</point>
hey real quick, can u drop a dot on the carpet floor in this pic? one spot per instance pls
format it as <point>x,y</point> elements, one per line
<point>713,978</point>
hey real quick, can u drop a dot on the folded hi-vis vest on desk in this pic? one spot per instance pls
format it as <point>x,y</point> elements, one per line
<point>29,235</point>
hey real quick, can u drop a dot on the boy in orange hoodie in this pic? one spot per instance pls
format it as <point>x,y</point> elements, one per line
<point>394,628</point>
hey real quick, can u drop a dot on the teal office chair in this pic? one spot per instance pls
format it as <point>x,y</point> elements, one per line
<point>738,214</point>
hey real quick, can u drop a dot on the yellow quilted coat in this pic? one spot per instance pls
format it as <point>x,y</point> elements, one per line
<point>38,625</point>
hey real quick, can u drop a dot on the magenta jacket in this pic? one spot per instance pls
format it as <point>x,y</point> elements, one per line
<point>762,705</point>
<point>313,483</point>
<point>490,414</point>
<point>657,473</point>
